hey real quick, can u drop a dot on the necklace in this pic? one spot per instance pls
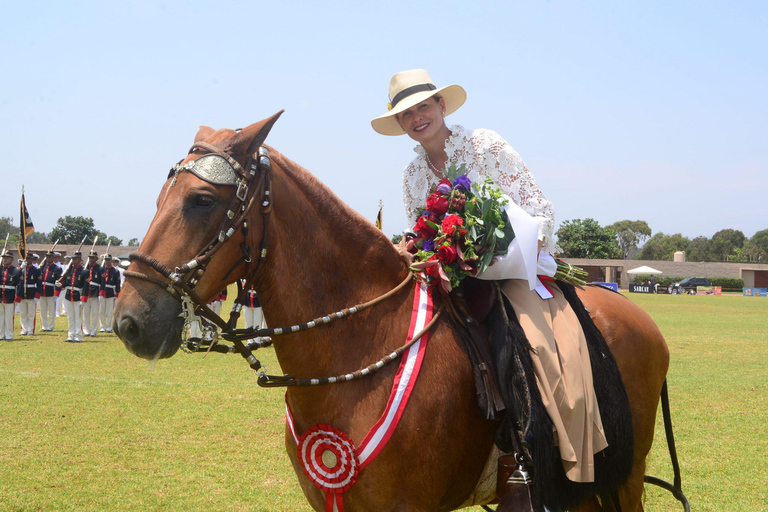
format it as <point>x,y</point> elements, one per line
<point>438,173</point>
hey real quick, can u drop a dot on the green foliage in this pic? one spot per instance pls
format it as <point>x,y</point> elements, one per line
<point>729,284</point>
<point>724,243</point>
<point>71,230</point>
<point>38,237</point>
<point>112,240</point>
<point>698,249</point>
<point>395,239</point>
<point>7,227</point>
<point>629,234</point>
<point>586,239</point>
<point>663,247</point>
<point>760,240</point>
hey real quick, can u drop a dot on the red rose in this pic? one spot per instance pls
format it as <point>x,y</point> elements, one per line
<point>446,254</point>
<point>437,204</point>
<point>424,229</point>
<point>445,181</point>
<point>450,222</point>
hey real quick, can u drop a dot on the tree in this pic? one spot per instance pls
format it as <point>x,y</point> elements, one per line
<point>71,230</point>
<point>725,242</point>
<point>760,240</point>
<point>396,238</point>
<point>586,239</point>
<point>663,247</point>
<point>698,249</point>
<point>113,241</point>
<point>7,227</point>
<point>133,242</point>
<point>38,237</point>
<point>629,234</point>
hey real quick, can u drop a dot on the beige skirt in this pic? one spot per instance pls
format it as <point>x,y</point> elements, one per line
<point>563,373</point>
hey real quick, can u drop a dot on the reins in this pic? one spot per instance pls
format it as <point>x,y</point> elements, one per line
<point>181,281</point>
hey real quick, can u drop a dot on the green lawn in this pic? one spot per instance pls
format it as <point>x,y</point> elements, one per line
<point>90,427</point>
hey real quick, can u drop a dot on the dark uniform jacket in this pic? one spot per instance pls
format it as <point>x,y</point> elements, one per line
<point>110,282</point>
<point>251,299</point>
<point>29,282</point>
<point>9,281</point>
<point>93,281</point>
<point>74,280</point>
<point>48,277</point>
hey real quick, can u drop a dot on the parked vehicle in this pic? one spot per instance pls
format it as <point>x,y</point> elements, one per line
<point>688,285</point>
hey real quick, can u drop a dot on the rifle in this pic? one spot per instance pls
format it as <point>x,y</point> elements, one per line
<point>69,265</point>
<point>42,263</point>
<point>6,242</point>
<point>104,258</point>
<point>96,239</point>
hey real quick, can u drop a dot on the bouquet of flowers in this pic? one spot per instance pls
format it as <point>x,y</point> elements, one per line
<point>463,227</point>
<point>461,230</point>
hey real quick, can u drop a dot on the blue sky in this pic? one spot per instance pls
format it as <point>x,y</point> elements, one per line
<point>622,110</point>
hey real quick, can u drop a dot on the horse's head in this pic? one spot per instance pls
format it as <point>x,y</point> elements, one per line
<point>203,194</point>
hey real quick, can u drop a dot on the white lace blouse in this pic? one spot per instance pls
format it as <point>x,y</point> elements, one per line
<point>485,154</point>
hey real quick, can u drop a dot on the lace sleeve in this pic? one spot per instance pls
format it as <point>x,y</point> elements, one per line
<point>416,183</point>
<point>505,167</point>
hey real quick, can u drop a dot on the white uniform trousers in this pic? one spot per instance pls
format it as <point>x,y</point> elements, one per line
<point>91,316</point>
<point>27,311</point>
<point>48,312</point>
<point>106,308</point>
<point>253,317</point>
<point>59,305</point>
<point>74,319</point>
<point>6,321</point>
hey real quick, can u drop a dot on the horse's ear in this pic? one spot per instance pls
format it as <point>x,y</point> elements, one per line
<point>203,133</point>
<point>250,138</point>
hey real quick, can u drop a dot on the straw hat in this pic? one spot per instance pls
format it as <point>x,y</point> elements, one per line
<point>409,88</point>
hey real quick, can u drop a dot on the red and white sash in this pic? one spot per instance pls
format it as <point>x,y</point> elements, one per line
<point>328,456</point>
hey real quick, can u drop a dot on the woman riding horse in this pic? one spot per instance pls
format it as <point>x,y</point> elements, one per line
<point>441,456</point>
<point>560,357</point>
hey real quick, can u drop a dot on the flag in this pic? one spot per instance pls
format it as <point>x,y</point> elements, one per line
<point>26,228</point>
<point>378,217</point>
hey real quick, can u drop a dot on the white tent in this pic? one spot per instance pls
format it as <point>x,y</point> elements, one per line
<point>644,270</point>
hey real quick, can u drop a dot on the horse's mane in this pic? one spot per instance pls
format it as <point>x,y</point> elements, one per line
<point>330,207</point>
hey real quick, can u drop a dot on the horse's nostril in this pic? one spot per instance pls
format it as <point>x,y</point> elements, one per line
<point>129,330</point>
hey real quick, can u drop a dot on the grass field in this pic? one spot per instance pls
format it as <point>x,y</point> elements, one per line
<point>89,427</point>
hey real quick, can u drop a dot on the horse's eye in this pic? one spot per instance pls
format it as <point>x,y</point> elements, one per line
<point>203,201</point>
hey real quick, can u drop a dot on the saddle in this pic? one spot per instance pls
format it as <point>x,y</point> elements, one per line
<point>506,390</point>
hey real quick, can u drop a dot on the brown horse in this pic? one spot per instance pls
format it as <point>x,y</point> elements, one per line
<point>323,257</point>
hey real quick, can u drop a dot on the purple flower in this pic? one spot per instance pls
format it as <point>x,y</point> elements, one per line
<point>462,181</point>
<point>428,245</point>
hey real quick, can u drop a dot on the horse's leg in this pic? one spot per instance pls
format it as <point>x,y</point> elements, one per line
<point>643,358</point>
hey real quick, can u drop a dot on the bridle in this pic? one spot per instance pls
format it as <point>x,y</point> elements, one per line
<point>252,181</point>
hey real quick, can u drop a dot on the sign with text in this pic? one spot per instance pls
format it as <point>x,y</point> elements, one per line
<point>756,292</point>
<point>640,288</point>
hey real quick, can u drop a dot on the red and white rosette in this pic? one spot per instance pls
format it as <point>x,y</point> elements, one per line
<point>328,458</point>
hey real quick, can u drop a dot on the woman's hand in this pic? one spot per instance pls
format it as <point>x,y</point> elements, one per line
<point>404,254</point>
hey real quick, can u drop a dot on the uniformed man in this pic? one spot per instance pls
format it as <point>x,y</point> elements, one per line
<point>252,313</point>
<point>49,294</point>
<point>27,291</point>
<point>9,281</point>
<point>57,260</point>
<point>73,282</point>
<point>109,291</point>
<point>91,295</point>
